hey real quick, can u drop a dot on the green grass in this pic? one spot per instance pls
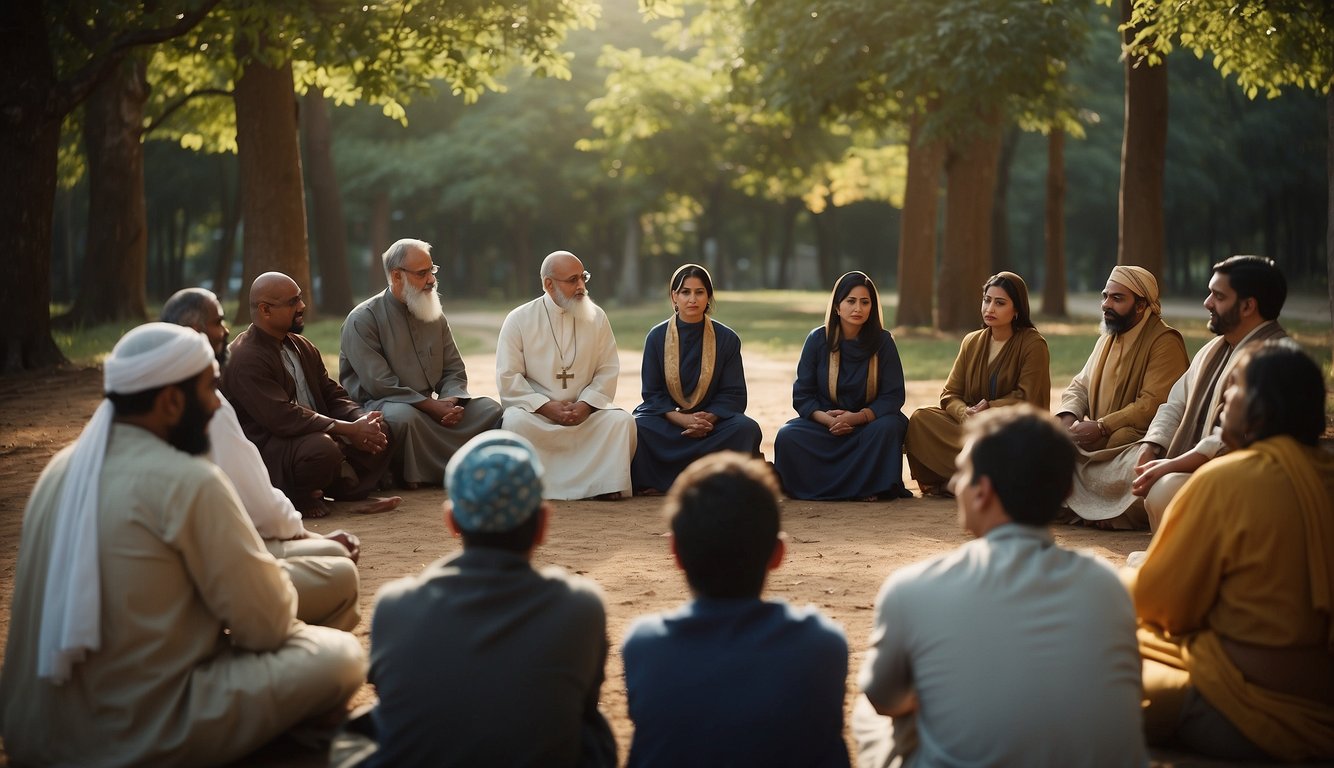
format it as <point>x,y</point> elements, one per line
<point>773,323</point>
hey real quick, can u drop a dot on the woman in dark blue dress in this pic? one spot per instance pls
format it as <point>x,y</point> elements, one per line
<point>847,439</point>
<point>694,388</point>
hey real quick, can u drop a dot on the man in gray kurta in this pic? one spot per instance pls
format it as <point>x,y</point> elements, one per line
<point>148,625</point>
<point>398,356</point>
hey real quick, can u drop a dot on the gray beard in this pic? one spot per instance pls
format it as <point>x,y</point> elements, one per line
<point>424,305</point>
<point>580,308</point>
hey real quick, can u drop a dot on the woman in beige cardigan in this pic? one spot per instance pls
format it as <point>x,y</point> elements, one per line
<point>1004,363</point>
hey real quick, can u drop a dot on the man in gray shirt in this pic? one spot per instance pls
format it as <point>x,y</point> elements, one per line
<point>1009,650</point>
<point>398,356</point>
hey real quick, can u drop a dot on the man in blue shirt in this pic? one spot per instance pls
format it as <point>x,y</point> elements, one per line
<point>729,678</point>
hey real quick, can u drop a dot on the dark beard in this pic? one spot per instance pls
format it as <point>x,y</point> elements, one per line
<point>1117,323</point>
<point>222,355</point>
<point>298,325</point>
<point>191,433</point>
<point>1226,321</point>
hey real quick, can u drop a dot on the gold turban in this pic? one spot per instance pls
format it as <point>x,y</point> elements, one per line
<point>1141,281</point>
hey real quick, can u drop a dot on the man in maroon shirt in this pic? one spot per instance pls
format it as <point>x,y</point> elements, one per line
<point>315,440</point>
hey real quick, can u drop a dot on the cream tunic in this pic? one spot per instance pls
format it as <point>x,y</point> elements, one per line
<point>538,342</point>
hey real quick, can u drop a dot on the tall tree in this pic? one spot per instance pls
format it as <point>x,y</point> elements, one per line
<point>966,253</point>
<point>1263,46</point>
<point>35,97</point>
<point>1053,289</point>
<point>943,63</point>
<point>111,285</point>
<point>273,202</point>
<point>917,236</point>
<point>327,208</point>
<point>1143,158</point>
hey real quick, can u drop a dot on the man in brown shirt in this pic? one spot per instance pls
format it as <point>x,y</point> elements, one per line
<point>315,440</point>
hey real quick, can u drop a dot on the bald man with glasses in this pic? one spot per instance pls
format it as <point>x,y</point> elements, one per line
<point>398,357</point>
<point>556,370</point>
<point>315,440</point>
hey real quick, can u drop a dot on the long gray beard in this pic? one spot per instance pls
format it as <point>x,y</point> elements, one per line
<point>424,305</point>
<point>581,308</point>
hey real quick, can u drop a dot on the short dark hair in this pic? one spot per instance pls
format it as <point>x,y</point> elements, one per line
<point>1255,277</point>
<point>138,403</point>
<point>1029,458</point>
<point>186,307</point>
<point>724,517</point>
<point>686,271</point>
<point>869,337</point>
<point>1285,393</point>
<point>518,539</point>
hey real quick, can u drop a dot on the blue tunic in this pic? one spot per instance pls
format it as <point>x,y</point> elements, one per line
<point>814,464</point>
<point>736,682</point>
<point>663,452</point>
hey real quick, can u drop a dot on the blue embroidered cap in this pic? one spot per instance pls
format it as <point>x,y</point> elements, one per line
<point>495,482</point>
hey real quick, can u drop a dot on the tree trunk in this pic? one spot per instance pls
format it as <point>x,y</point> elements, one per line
<point>787,247</point>
<point>326,205</point>
<point>273,203</point>
<point>1329,204</point>
<point>917,230</point>
<point>628,289</point>
<point>525,271</point>
<point>1053,287</point>
<point>764,240</point>
<point>971,184</point>
<point>826,241</point>
<point>1000,218</point>
<point>1143,157</point>
<point>29,138</point>
<point>379,241</point>
<point>229,202</point>
<point>113,279</point>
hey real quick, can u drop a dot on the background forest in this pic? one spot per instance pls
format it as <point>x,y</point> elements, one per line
<point>927,142</point>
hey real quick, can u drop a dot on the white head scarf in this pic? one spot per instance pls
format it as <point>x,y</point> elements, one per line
<point>150,356</point>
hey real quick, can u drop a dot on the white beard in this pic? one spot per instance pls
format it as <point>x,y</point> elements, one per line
<point>580,307</point>
<point>424,305</point>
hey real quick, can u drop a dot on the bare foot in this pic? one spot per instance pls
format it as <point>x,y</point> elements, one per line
<point>649,492</point>
<point>314,508</point>
<point>613,496</point>
<point>375,505</point>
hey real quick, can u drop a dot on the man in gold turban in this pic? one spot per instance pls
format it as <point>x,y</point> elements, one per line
<point>1110,403</point>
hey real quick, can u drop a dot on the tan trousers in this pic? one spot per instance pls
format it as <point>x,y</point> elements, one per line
<point>326,580</point>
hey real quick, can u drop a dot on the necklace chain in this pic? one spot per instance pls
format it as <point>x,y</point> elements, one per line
<point>574,338</point>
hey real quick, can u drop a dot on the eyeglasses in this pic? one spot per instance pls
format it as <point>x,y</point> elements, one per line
<point>421,274</point>
<point>582,276</point>
<point>292,302</point>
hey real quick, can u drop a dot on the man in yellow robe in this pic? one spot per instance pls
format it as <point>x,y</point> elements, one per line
<point>1110,403</point>
<point>1235,595</point>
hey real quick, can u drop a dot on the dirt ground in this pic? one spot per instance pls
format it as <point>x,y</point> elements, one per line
<point>838,552</point>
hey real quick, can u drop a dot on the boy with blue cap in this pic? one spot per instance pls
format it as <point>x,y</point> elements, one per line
<point>482,659</point>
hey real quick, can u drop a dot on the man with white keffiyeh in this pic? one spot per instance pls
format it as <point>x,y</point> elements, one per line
<point>149,624</point>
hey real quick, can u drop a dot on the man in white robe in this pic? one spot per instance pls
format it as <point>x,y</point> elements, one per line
<point>398,357</point>
<point>323,567</point>
<point>556,370</point>
<point>1246,295</point>
<point>148,625</point>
